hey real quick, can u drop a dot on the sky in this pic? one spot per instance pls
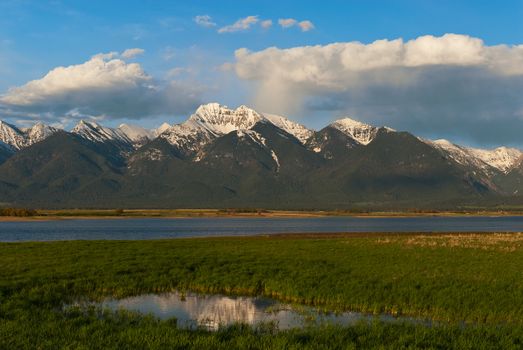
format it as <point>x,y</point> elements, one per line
<point>439,69</point>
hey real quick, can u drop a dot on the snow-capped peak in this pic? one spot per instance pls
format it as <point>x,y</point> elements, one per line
<point>93,131</point>
<point>20,138</point>
<point>208,122</point>
<point>220,120</point>
<point>361,132</point>
<point>501,158</point>
<point>161,129</point>
<point>299,131</point>
<point>136,133</point>
<point>445,144</point>
<point>38,132</point>
<point>12,136</point>
<point>460,154</point>
<point>214,120</point>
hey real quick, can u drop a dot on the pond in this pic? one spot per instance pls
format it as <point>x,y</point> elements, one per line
<point>193,310</point>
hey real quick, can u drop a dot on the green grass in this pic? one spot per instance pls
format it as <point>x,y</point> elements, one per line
<point>472,278</point>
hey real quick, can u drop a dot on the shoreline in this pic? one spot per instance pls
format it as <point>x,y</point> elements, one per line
<point>112,214</point>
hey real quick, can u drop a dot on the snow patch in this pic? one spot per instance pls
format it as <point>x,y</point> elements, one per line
<point>97,133</point>
<point>154,154</point>
<point>135,133</point>
<point>361,132</point>
<point>17,139</point>
<point>12,136</point>
<point>161,129</point>
<point>501,158</point>
<point>261,141</point>
<point>299,131</point>
<point>276,160</point>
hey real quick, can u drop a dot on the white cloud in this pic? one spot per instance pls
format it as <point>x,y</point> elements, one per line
<point>103,86</point>
<point>287,22</point>
<point>448,84</point>
<point>334,65</point>
<point>100,72</point>
<point>204,21</point>
<point>240,25</point>
<point>266,24</point>
<point>131,53</point>
<point>306,26</point>
<point>107,55</point>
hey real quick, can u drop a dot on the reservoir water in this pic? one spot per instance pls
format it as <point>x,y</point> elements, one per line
<point>161,228</point>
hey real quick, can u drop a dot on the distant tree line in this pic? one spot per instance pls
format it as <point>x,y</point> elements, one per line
<point>17,212</point>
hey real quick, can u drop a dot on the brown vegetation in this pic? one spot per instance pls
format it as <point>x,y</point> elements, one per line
<point>18,212</point>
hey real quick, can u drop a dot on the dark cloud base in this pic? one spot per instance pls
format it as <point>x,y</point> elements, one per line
<point>469,105</point>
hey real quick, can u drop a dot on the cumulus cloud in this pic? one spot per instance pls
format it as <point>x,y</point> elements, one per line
<point>305,26</point>
<point>105,86</point>
<point>287,22</point>
<point>204,21</point>
<point>132,53</point>
<point>451,85</point>
<point>266,24</point>
<point>240,25</point>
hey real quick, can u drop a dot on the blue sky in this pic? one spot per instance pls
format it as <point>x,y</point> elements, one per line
<point>38,36</point>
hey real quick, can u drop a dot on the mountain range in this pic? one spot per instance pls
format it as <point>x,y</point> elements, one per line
<point>221,157</point>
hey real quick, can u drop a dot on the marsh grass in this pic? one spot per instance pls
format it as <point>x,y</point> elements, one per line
<point>452,279</point>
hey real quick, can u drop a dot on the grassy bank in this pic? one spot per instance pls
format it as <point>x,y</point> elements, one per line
<point>451,278</point>
<point>47,214</point>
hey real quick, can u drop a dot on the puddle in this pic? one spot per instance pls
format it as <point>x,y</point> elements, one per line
<point>194,310</point>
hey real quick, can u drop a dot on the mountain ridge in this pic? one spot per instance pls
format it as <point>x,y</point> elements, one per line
<point>222,157</point>
<point>213,120</point>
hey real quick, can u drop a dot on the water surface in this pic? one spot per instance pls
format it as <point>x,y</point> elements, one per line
<point>158,228</point>
<point>193,310</point>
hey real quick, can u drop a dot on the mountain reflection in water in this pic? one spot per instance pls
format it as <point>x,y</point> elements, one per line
<point>212,311</point>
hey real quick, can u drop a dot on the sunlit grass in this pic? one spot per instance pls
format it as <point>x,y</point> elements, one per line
<point>475,279</point>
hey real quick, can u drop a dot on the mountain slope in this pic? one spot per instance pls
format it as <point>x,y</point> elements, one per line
<point>397,167</point>
<point>63,168</point>
<point>5,152</point>
<point>38,132</point>
<point>97,133</point>
<point>261,166</point>
<point>332,143</point>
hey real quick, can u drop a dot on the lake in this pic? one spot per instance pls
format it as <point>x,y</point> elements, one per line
<point>161,228</point>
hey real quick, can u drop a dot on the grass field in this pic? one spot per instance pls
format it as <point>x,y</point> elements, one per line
<point>471,278</point>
